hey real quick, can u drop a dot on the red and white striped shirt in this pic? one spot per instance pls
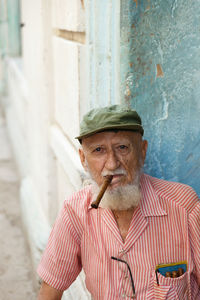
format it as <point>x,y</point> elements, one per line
<point>165,228</point>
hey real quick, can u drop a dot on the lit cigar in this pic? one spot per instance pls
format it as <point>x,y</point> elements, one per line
<point>104,186</point>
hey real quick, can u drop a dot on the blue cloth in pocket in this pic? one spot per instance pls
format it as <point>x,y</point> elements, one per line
<point>163,268</point>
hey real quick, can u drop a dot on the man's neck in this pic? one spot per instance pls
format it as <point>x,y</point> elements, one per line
<point>123,219</point>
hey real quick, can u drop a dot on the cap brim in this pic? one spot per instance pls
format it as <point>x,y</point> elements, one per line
<point>136,127</point>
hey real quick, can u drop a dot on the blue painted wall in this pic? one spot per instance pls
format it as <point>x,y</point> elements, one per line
<point>160,77</point>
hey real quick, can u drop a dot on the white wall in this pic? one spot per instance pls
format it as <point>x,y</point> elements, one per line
<point>44,103</point>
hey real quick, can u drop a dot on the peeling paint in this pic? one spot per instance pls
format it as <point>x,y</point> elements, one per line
<point>174,7</point>
<point>128,91</point>
<point>159,71</point>
<point>165,109</point>
<point>160,51</point>
<point>189,157</point>
<point>164,42</point>
<point>136,2</point>
<point>148,7</point>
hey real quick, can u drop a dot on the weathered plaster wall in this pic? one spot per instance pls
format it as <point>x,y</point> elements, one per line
<point>160,73</point>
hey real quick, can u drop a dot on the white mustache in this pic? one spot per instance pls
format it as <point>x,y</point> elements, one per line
<point>115,172</point>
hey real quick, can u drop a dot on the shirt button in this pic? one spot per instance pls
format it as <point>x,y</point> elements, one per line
<point>121,250</point>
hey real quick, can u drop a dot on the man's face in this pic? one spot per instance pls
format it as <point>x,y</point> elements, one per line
<point>120,153</point>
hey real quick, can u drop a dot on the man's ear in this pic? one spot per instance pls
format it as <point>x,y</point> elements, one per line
<point>83,159</point>
<point>144,149</point>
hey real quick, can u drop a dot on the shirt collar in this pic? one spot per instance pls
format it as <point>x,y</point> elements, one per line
<point>150,203</point>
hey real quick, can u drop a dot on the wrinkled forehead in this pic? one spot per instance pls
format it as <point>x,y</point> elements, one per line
<point>112,136</point>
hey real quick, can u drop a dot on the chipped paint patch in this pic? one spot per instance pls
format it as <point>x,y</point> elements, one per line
<point>159,71</point>
<point>128,91</point>
<point>136,2</point>
<point>148,5</point>
<point>163,44</point>
<point>165,109</point>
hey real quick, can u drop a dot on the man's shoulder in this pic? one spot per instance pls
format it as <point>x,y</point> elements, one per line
<point>181,194</point>
<point>80,199</point>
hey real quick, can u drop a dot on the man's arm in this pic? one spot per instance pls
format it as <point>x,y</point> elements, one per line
<point>49,293</point>
<point>194,230</point>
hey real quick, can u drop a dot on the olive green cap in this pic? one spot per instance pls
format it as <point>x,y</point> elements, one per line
<point>110,117</point>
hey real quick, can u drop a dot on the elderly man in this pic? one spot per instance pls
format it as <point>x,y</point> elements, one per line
<point>142,242</point>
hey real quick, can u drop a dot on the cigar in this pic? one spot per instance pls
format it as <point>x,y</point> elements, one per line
<point>168,274</point>
<point>180,272</point>
<point>174,274</point>
<point>104,186</point>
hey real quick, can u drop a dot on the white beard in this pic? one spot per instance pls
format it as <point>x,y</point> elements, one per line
<point>120,198</point>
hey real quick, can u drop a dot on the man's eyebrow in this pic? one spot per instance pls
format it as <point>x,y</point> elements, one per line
<point>123,140</point>
<point>94,145</point>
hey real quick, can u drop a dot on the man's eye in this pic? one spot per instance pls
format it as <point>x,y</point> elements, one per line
<point>98,149</point>
<point>122,147</point>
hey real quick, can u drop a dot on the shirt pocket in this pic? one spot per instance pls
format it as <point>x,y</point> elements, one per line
<point>168,288</point>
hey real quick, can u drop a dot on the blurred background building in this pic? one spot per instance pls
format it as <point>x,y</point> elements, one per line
<point>59,58</point>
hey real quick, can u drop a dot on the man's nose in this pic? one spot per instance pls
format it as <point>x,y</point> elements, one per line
<point>112,161</point>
